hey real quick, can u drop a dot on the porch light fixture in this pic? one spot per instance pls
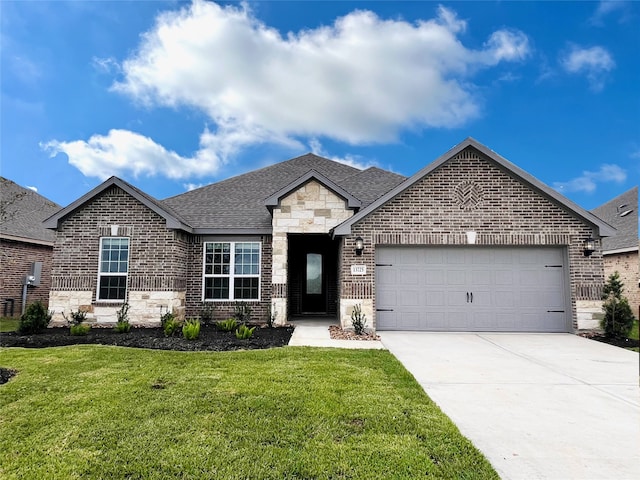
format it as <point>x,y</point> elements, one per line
<point>589,247</point>
<point>359,245</point>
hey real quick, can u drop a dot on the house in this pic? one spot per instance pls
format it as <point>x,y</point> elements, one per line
<point>620,253</point>
<point>470,243</point>
<point>26,247</point>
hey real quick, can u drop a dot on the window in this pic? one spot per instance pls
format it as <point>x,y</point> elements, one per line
<point>114,265</point>
<point>231,270</point>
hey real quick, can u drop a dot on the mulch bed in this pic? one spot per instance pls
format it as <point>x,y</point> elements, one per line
<point>337,333</point>
<point>616,341</point>
<point>210,339</point>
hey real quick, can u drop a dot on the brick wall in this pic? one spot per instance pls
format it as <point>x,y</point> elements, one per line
<point>15,262</point>
<point>222,309</point>
<point>627,265</point>
<point>469,193</point>
<point>157,256</point>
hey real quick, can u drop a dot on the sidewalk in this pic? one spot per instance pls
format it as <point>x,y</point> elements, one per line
<point>315,333</point>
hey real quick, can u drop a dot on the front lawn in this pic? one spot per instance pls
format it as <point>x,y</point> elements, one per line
<point>113,412</point>
<point>8,324</point>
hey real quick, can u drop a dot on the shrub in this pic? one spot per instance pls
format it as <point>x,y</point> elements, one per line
<point>78,329</point>
<point>191,329</point>
<point>76,317</point>
<point>35,318</point>
<point>618,317</point>
<point>358,320</point>
<point>242,312</point>
<point>123,325</point>
<point>243,332</point>
<point>206,313</point>
<point>171,326</point>
<point>166,317</point>
<point>227,325</point>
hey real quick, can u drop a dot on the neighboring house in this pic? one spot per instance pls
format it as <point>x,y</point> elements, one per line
<point>24,241</point>
<point>471,242</point>
<point>621,252</point>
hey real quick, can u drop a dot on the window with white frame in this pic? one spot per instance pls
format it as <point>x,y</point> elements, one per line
<point>114,266</point>
<point>231,270</point>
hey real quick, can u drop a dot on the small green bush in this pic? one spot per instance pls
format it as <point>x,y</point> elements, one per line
<point>618,318</point>
<point>358,320</point>
<point>207,310</point>
<point>166,317</point>
<point>79,329</point>
<point>191,329</point>
<point>243,332</point>
<point>76,317</point>
<point>171,326</point>
<point>242,312</point>
<point>227,325</point>
<point>35,318</point>
<point>123,325</point>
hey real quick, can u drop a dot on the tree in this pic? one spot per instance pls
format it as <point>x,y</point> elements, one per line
<point>618,317</point>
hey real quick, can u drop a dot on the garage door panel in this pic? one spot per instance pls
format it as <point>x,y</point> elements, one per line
<point>514,289</point>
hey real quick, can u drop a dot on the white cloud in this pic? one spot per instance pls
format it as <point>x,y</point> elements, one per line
<point>606,7</point>
<point>351,160</point>
<point>588,181</point>
<point>122,151</point>
<point>594,62</point>
<point>106,65</point>
<point>361,80</point>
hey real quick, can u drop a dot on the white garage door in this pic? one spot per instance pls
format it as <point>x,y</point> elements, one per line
<point>472,289</point>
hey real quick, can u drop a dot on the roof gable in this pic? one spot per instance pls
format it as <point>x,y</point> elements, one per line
<point>173,220</point>
<point>614,212</point>
<point>514,171</point>
<point>273,200</point>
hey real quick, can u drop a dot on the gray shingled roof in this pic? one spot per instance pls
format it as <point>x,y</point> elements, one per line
<point>22,211</point>
<point>627,225</point>
<point>238,202</point>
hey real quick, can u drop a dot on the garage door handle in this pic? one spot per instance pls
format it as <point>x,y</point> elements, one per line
<point>384,309</point>
<point>555,311</point>
<point>471,297</point>
<point>467,297</point>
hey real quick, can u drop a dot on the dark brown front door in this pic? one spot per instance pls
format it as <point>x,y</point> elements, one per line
<point>312,275</point>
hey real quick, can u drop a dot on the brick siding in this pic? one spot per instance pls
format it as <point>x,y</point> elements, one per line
<point>15,262</point>
<point>627,265</point>
<point>471,193</point>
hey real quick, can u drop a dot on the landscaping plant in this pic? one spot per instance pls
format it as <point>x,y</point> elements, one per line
<point>76,324</point>
<point>191,329</point>
<point>358,320</point>
<point>206,313</point>
<point>171,326</point>
<point>243,332</point>
<point>227,325</point>
<point>123,325</point>
<point>242,312</point>
<point>618,317</point>
<point>34,319</point>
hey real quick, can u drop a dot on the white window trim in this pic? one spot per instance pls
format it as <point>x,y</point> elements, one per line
<point>231,276</point>
<point>100,274</point>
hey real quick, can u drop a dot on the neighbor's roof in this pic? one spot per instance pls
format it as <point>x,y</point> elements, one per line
<point>238,204</point>
<point>516,172</point>
<point>614,212</point>
<point>21,214</point>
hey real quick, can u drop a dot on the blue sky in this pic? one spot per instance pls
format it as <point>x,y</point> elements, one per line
<point>174,95</point>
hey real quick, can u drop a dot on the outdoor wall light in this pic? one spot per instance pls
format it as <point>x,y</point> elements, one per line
<point>359,246</point>
<point>589,247</point>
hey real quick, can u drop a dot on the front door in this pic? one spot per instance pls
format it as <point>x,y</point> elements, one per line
<point>312,275</point>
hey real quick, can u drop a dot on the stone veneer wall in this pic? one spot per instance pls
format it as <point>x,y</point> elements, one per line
<point>157,261</point>
<point>16,259</point>
<point>312,208</point>
<point>469,193</point>
<point>628,266</point>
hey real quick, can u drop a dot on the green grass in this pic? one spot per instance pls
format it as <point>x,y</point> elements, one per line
<point>634,331</point>
<point>8,324</point>
<point>113,412</point>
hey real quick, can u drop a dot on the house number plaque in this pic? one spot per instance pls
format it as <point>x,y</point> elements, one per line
<point>358,269</point>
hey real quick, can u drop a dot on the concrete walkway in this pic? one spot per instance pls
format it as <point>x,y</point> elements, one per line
<point>315,333</point>
<point>539,406</point>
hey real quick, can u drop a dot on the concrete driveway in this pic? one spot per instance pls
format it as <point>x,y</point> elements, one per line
<point>539,406</point>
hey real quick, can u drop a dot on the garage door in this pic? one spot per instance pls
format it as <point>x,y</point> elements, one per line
<point>471,289</point>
